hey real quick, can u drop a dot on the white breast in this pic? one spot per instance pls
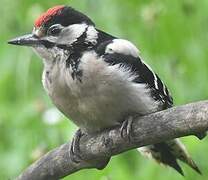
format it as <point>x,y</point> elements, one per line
<point>104,97</point>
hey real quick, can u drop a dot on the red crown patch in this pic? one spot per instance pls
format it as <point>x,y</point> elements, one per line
<point>47,15</point>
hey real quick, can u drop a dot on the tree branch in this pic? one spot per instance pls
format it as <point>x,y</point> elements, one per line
<point>96,150</point>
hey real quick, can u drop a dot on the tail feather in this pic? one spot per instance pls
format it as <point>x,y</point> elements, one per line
<point>167,157</point>
<point>179,151</point>
<point>168,152</point>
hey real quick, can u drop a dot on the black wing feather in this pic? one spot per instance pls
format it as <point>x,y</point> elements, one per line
<point>145,75</point>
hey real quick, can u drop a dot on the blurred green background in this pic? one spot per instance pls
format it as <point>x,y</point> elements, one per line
<point>172,37</point>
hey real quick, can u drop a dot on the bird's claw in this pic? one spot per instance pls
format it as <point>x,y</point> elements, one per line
<point>75,149</point>
<point>126,127</point>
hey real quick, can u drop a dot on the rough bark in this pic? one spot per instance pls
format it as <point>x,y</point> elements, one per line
<point>96,150</point>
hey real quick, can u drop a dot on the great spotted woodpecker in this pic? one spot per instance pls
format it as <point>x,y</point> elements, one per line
<point>96,79</point>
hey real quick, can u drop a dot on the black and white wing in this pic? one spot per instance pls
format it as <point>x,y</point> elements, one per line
<point>123,52</point>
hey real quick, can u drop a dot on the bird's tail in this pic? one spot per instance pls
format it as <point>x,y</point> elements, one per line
<point>168,153</point>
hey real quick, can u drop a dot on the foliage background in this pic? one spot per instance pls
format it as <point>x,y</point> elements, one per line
<point>172,36</point>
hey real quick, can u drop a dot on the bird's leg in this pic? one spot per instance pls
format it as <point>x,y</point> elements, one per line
<point>126,128</point>
<point>75,152</point>
<point>75,149</point>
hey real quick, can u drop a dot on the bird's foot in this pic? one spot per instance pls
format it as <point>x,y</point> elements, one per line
<point>75,153</point>
<point>75,149</point>
<point>126,128</point>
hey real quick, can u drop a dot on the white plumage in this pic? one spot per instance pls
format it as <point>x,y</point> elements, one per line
<point>105,96</point>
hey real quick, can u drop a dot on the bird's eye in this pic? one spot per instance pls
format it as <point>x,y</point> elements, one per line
<point>54,30</point>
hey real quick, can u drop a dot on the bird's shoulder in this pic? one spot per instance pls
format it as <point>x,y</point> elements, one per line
<point>126,54</point>
<point>118,46</point>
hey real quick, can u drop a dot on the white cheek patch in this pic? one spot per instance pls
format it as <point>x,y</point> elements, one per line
<point>122,46</point>
<point>71,33</point>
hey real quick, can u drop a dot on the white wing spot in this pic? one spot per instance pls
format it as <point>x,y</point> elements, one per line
<point>122,46</point>
<point>71,33</point>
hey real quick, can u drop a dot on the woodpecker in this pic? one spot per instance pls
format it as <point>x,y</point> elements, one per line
<point>98,80</point>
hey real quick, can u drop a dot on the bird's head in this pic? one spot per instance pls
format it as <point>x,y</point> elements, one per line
<point>59,26</point>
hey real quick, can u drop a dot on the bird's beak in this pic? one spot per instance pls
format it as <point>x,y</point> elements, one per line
<point>26,40</point>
